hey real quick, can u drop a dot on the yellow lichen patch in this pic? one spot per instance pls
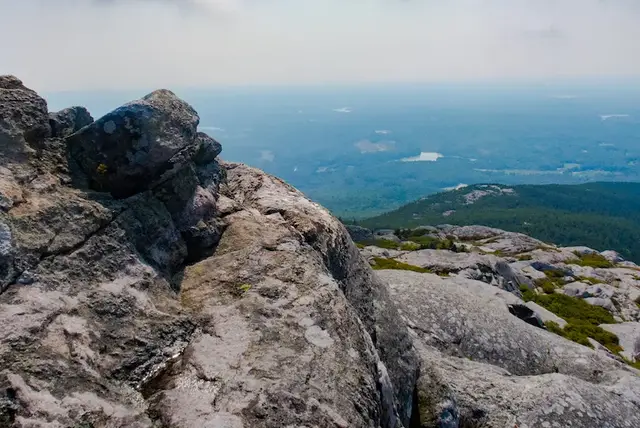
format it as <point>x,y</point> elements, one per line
<point>102,169</point>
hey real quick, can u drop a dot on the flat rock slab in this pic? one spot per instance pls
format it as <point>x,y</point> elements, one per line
<point>629,335</point>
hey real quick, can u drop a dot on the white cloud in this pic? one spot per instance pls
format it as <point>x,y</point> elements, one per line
<point>94,44</point>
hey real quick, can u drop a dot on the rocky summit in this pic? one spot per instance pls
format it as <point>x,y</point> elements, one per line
<point>144,282</point>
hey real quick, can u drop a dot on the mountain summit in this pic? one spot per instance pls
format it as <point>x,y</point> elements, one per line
<point>144,282</point>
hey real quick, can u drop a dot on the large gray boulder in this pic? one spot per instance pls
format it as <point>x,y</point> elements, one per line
<point>359,233</point>
<point>127,150</point>
<point>629,335</point>
<point>482,366</point>
<point>213,295</point>
<point>24,120</point>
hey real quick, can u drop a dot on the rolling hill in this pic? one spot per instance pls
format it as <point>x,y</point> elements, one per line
<point>599,215</point>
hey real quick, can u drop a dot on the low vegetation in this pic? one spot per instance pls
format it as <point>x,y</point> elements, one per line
<point>387,244</point>
<point>638,301</point>
<point>418,240</point>
<point>605,216</point>
<point>412,241</point>
<point>589,279</point>
<point>583,319</point>
<point>554,280</point>
<point>382,263</point>
<point>593,260</point>
<point>548,286</point>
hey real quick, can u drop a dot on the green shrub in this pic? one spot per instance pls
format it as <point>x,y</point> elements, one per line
<point>410,246</point>
<point>583,319</point>
<point>554,279</point>
<point>431,243</point>
<point>593,260</point>
<point>387,244</point>
<point>568,308</point>
<point>590,280</point>
<point>382,263</point>
<point>557,274</point>
<point>360,245</point>
<point>547,285</point>
<point>579,331</point>
<point>525,257</point>
<point>554,327</point>
<point>635,365</point>
<point>527,294</point>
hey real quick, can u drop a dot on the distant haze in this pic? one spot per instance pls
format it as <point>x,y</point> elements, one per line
<point>113,44</point>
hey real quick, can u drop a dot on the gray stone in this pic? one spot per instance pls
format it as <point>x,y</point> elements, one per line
<point>209,149</point>
<point>113,320</point>
<point>24,121</point>
<point>68,121</point>
<point>180,304</point>
<point>603,303</point>
<point>612,256</point>
<point>127,150</point>
<point>576,289</point>
<point>481,366</point>
<point>481,267</point>
<point>358,233</point>
<point>546,315</point>
<point>629,335</point>
<point>6,256</point>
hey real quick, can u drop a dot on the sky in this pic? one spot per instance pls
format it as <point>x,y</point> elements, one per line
<point>57,45</point>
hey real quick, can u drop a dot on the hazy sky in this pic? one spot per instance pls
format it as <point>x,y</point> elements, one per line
<point>116,44</point>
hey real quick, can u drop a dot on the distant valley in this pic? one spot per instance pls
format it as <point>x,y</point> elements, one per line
<point>364,150</point>
<point>600,215</point>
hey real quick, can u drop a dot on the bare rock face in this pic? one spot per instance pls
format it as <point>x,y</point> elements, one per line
<point>481,366</point>
<point>125,151</point>
<point>145,283</point>
<point>170,289</point>
<point>24,123</point>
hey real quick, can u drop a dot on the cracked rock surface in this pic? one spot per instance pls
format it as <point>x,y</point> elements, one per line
<point>145,283</point>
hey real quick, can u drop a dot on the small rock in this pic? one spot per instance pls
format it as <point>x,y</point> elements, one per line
<point>629,335</point>
<point>358,233</point>
<point>68,121</point>
<point>546,315</point>
<point>603,303</point>
<point>209,149</point>
<point>612,256</point>
<point>577,289</point>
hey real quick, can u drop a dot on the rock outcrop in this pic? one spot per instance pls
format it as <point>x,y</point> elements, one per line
<point>24,120</point>
<point>481,366</point>
<point>145,283</point>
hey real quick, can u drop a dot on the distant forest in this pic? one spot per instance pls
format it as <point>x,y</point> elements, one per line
<point>604,216</point>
